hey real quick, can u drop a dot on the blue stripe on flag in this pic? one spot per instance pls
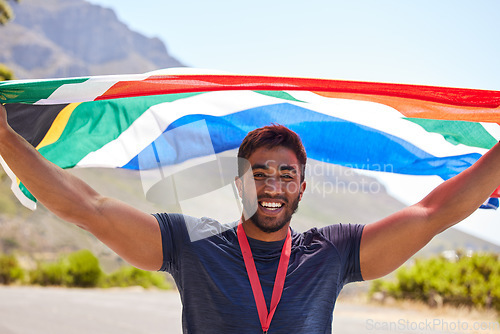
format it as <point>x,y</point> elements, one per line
<point>492,203</point>
<point>326,138</point>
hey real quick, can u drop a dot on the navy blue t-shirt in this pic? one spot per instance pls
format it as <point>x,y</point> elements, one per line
<point>206,263</point>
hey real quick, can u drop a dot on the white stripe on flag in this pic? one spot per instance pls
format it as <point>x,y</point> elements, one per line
<point>493,129</point>
<point>88,90</point>
<point>157,118</point>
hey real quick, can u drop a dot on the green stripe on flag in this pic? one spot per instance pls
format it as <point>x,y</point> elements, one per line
<point>278,95</point>
<point>94,124</point>
<point>26,193</point>
<point>458,132</point>
<point>33,91</point>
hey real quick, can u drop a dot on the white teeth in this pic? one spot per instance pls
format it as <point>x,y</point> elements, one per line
<point>271,205</point>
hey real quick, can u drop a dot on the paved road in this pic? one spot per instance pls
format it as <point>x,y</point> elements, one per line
<point>29,310</point>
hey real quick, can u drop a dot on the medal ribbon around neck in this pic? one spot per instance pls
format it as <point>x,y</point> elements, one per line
<point>265,317</point>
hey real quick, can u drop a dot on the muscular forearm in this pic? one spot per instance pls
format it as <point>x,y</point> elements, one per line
<point>58,190</point>
<point>455,199</point>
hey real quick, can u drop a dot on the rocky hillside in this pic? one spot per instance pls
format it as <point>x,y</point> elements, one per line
<point>65,38</point>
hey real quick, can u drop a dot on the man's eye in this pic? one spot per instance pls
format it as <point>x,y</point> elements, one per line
<point>287,176</point>
<point>259,175</point>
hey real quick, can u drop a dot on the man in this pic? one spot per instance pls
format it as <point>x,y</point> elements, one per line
<point>261,275</point>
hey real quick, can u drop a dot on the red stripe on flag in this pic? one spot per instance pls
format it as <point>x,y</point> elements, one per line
<point>156,85</point>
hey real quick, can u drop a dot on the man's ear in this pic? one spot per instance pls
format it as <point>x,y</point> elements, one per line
<point>302,189</point>
<point>239,185</point>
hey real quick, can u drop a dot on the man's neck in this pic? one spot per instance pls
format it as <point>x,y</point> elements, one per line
<point>254,232</point>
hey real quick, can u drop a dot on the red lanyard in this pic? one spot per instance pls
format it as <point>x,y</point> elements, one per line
<point>253,276</point>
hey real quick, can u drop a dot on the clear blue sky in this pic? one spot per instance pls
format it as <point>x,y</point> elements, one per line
<point>451,43</point>
<point>445,42</point>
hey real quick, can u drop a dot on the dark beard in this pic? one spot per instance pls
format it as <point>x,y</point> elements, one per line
<point>279,224</point>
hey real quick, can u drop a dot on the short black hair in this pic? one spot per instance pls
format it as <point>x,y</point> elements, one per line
<point>272,136</point>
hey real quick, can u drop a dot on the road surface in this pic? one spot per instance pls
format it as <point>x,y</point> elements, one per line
<point>32,310</point>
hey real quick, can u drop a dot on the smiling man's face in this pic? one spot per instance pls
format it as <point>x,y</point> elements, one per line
<point>271,198</point>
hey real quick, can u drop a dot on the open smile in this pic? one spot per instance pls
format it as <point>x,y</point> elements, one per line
<point>271,206</point>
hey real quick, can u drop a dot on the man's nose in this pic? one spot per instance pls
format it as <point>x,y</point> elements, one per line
<point>273,186</point>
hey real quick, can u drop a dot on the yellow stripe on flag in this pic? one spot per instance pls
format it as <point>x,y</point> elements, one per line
<point>57,127</point>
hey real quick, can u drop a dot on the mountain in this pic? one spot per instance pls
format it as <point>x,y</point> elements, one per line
<point>67,38</point>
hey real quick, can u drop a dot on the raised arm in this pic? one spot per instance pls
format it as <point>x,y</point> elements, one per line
<point>132,234</point>
<point>388,243</point>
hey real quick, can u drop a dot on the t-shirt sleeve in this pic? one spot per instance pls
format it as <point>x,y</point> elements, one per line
<point>173,236</point>
<point>347,240</point>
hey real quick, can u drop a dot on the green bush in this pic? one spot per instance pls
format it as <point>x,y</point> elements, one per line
<point>10,271</point>
<point>131,276</point>
<point>78,269</point>
<point>84,269</point>
<point>6,73</point>
<point>52,273</point>
<point>471,280</point>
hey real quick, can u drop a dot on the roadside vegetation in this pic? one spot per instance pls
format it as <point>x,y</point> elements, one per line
<point>78,269</point>
<point>471,280</point>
